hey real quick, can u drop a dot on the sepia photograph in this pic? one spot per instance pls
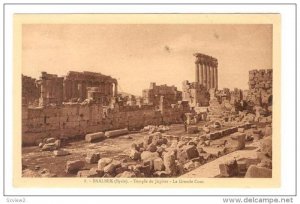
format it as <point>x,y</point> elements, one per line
<point>147,100</point>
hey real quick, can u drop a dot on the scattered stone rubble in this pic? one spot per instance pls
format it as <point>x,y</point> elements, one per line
<point>163,155</point>
<point>263,168</point>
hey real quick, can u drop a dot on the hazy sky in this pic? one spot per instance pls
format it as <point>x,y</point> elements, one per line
<point>139,54</point>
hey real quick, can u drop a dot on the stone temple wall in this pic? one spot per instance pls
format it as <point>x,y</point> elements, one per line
<point>30,90</point>
<point>260,87</point>
<point>71,120</point>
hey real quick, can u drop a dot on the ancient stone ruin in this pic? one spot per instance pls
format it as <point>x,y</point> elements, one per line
<point>80,123</point>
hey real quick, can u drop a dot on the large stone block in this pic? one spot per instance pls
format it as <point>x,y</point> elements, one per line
<point>103,162</point>
<point>214,136</point>
<point>49,147</point>
<point>266,146</point>
<point>147,140</point>
<point>74,166</point>
<point>92,158</point>
<point>115,133</point>
<point>258,172</point>
<point>158,164</point>
<point>169,163</point>
<point>146,155</point>
<point>186,153</point>
<point>134,154</point>
<point>236,142</point>
<point>94,137</point>
<point>192,129</point>
<point>60,152</point>
<point>229,169</point>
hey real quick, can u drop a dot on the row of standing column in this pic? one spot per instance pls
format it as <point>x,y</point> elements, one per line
<point>206,75</point>
<point>78,89</point>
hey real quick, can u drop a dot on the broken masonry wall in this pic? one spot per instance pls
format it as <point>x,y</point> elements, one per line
<point>68,120</point>
<point>72,120</point>
<point>260,87</point>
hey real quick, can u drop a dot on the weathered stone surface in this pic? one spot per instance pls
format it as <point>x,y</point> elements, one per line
<point>50,140</point>
<point>180,144</point>
<point>120,169</point>
<point>110,168</point>
<point>49,147</point>
<point>229,169</point>
<point>74,166</point>
<point>60,152</point>
<point>206,129</point>
<point>152,148</point>
<point>265,160</point>
<point>115,133</point>
<point>57,143</point>
<point>258,172</point>
<point>160,174</point>
<point>30,173</point>
<point>242,167</point>
<point>207,143</point>
<point>256,137</point>
<point>189,166</point>
<point>83,173</point>
<point>236,142</point>
<point>146,155</point>
<point>146,169</point>
<point>197,164</point>
<point>134,154</point>
<point>214,135</point>
<point>94,172</point>
<point>134,146</point>
<point>186,153</point>
<point>126,174</point>
<point>94,137</point>
<point>192,143</point>
<point>179,168</point>
<point>206,156</point>
<point>147,140</point>
<point>160,150</point>
<point>192,129</point>
<point>158,164</point>
<point>103,162</point>
<point>268,131</point>
<point>266,146</point>
<point>169,162</point>
<point>92,158</point>
<point>155,138</point>
<point>241,130</point>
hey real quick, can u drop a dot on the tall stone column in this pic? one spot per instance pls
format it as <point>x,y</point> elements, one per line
<point>212,76</point>
<point>201,73</point>
<point>43,93</point>
<point>204,74</point>
<point>116,89</point>
<point>80,92</point>
<point>216,77</point>
<point>84,92</point>
<point>208,76</point>
<point>65,90</point>
<point>197,71</point>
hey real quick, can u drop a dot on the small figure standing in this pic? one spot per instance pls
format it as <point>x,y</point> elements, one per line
<point>185,125</point>
<point>184,120</point>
